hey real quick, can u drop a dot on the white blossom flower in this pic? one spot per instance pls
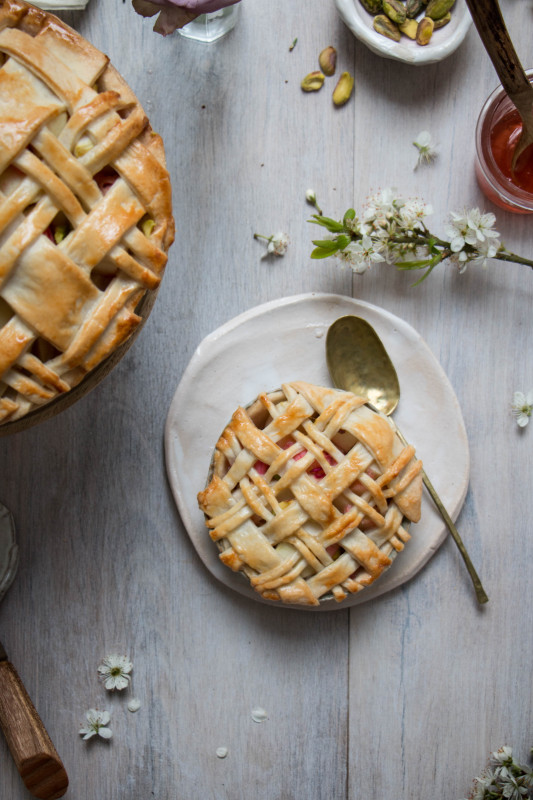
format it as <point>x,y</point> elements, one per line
<point>114,671</point>
<point>470,227</point>
<point>361,254</point>
<point>278,244</point>
<point>414,211</point>
<point>522,408</point>
<point>96,724</point>
<point>381,205</point>
<point>427,150</point>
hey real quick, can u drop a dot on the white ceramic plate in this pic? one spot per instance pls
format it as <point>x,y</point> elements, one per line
<point>284,341</point>
<point>443,42</point>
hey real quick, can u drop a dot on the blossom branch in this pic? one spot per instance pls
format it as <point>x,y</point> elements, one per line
<point>392,230</point>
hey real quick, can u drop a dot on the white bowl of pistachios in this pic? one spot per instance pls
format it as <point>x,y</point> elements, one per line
<point>413,31</point>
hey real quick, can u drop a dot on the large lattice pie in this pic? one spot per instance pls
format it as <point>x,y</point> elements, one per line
<point>85,209</point>
<point>308,494</point>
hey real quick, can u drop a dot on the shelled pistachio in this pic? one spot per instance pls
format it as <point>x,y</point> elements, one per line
<point>386,27</point>
<point>409,28</point>
<point>395,10</point>
<point>343,89</point>
<point>424,31</point>
<point>440,23</point>
<point>372,6</point>
<point>413,8</point>
<point>313,82</point>
<point>436,9</point>
<point>328,61</point>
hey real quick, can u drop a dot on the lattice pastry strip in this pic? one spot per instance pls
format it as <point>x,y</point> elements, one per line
<point>308,493</point>
<point>85,208</point>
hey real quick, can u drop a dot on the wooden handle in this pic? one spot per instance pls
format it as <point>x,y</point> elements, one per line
<point>35,756</point>
<point>497,42</point>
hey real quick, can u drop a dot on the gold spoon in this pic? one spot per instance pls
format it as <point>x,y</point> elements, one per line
<point>497,42</point>
<point>358,363</point>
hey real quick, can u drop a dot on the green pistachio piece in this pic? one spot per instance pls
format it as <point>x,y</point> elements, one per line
<point>328,61</point>
<point>424,31</point>
<point>438,8</point>
<point>343,89</point>
<point>386,27</point>
<point>409,28</point>
<point>413,8</point>
<point>372,6</point>
<point>313,82</point>
<point>147,225</point>
<point>395,10</point>
<point>440,23</point>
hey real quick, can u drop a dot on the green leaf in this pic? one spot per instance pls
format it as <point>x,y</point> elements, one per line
<point>343,241</point>
<point>350,214</point>
<point>326,222</point>
<point>319,252</point>
<point>328,244</point>
<point>414,264</point>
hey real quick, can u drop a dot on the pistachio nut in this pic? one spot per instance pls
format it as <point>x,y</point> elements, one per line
<point>424,31</point>
<point>328,61</point>
<point>409,28</point>
<point>343,89</point>
<point>438,8</point>
<point>440,23</point>
<point>313,82</point>
<point>395,10</point>
<point>372,6</point>
<point>386,27</point>
<point>413,8</point>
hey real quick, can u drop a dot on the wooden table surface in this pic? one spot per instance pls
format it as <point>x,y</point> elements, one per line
<point>401,697</point>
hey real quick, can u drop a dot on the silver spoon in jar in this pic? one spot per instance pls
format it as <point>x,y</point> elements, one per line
<point>358,363</point>
<point>497,42</point>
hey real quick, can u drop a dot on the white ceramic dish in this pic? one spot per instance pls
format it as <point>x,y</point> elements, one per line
<point>285,340</point>
<point>443,42</point>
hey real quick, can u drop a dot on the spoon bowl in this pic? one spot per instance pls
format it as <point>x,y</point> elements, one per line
<point>359,363</point>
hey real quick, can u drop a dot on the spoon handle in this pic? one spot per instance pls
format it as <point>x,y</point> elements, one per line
<point>497,42</point>
<point>480,591</point>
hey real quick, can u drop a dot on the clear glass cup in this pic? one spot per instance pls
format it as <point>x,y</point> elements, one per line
<point>213,26</point>
<point>493,182</point>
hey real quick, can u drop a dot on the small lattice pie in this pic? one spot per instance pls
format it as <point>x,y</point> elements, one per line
<point>85,209</point>
<point>308,494</point>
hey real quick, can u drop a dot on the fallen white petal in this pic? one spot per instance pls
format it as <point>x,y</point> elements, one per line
<point>222,752</point>
<point>259,714</point>
<point>134,705</point>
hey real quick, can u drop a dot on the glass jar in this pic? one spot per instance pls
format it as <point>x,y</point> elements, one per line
<point>212,26</point>
<point>497,132</point>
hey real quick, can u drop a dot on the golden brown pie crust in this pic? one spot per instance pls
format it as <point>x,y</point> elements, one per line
<point>85,209</point>
<point>308,493</point>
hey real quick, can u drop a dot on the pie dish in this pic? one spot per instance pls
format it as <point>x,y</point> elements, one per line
<point>308,494</point>
<point>85,212</point>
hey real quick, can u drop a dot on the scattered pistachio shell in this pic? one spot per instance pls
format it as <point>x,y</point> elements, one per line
<point>343,89</point>
<point>438,8</point>
<point>395,10</point>
<point>424,31</point>
<point>328,61</point>
<point>386,27</point>
<point>313,82</point>
<point>409,28</point>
